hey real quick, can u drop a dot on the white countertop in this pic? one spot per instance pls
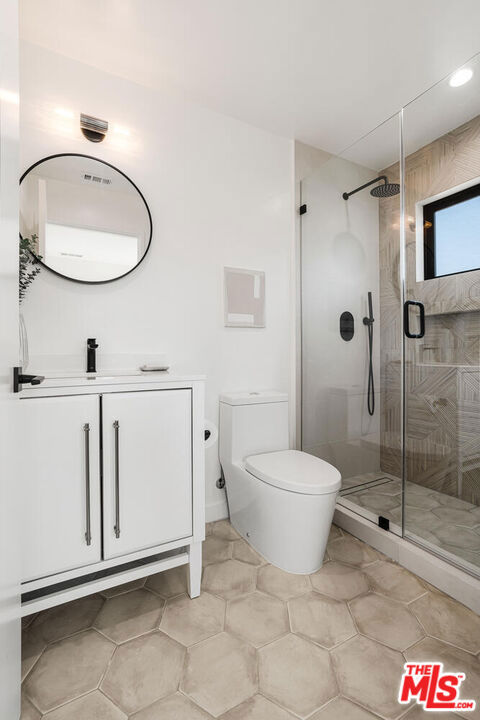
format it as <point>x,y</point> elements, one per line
<point>86,382</point>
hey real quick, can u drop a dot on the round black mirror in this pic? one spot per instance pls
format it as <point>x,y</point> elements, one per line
<point>90,223</point>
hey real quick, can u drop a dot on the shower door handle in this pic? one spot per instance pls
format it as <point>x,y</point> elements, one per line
<point>406,319</point>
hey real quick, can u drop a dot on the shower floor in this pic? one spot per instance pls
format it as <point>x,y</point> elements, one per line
<point>437,519</point>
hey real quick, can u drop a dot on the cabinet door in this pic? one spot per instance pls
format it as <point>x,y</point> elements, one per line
<point>61,484</point>
<point>147,471</point>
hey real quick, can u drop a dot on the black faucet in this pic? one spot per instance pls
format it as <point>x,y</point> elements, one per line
<point>92,346</point>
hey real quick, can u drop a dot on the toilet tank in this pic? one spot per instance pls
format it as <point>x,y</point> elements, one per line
<point>252,423</point>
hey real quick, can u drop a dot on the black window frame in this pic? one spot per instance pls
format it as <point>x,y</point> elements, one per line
<point>429,210</point>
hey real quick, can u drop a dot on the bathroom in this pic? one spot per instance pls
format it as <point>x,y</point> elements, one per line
<point>282,509</point>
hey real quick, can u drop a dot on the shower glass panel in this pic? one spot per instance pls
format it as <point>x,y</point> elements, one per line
<point>351,322</point>
<point>442,368</point>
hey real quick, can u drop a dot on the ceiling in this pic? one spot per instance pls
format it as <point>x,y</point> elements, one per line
<point>322,72</point>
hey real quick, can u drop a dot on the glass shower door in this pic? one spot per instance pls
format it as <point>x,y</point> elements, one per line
<point>351,323</point>
<point>442,364</point>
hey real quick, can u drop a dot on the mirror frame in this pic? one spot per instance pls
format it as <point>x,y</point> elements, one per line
<point>92,157</point>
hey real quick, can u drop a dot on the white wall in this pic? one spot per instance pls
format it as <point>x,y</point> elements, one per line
<point>221,192</point>
<point>340,264</point>
<point>11,437</point>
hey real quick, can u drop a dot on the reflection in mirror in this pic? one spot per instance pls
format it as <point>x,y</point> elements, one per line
<point>92,223</point>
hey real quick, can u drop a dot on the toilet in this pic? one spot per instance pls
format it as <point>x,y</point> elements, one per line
<point>281,501</point>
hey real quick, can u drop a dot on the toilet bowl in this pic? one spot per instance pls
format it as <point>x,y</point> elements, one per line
<point>281,501</point>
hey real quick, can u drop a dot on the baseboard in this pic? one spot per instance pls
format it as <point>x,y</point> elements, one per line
<point>216,511</point>
<point>451,580</point>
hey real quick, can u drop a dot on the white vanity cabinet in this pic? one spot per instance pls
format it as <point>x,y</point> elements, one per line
<point>147,469</point>
<point>113,483</point>
<point>61,484</point>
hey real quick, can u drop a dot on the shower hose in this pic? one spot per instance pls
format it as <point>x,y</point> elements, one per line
<point>371,387</point>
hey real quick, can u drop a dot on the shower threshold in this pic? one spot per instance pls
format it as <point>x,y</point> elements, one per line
<point>374,495</point>
<point>441,523</point>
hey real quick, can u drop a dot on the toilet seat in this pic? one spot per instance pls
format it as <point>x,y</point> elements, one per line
<point>295,471</point>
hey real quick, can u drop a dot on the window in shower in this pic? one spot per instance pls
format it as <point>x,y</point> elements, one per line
<point>451,232</point>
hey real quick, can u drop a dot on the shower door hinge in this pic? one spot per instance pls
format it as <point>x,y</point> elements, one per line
<point>383,523</point>
<point>303,209</point>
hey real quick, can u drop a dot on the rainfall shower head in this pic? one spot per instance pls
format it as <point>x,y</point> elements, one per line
<point>381,191</point>
<point>385,190</point>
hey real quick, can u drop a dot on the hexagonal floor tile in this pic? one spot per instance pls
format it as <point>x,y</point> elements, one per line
<point>453,502</point>
<point>457,536</point>
<point>64,620</point>
<point>144,670</point>
<point>392,580</point>
<point>326,621</point>
<point>361,659</point>
<point>454,516</point>
<point>258,708</point>
<point>281,584</point>
<point>334,533</point>
<point>169,583</point>
<point>215,549</point>
<point>229,579</point>
<point>220,673</point>
<point>190,620</point>
<point>94,706</point>
<point>376,502</point>
<point>418,713</point>
<point>421,502</point>
<point>386,620</point>
<point>415,488</point>
<point>352,551</point>
<point>297,674</point>
<point>419,521</point>
<point>257,618</point>
<point>68,669</point>
<point>124,617</point>
<point>33,645</point>
<point>244,552</point>
<point>339,581</point>
<point>174,707</point>
<point>454,660</point>
<point>224,529</point>
<point>392,487</point>
<point>468,555</point>
<point>344,709</point>
<point>448,620</point>
<point>126,587</point>
<point>28,711</point>
<point>27,620</point>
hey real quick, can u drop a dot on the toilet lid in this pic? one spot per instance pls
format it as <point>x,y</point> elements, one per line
<point>295,471</point>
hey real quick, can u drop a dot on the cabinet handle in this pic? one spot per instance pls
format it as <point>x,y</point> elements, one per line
<point>116,527</point>
<point>88,529</point>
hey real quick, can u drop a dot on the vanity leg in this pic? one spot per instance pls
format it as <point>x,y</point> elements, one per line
<point>195,569</point>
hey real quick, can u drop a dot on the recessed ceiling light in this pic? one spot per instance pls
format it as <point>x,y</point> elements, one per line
<point>121,130</point>
<point>9,96</point>
<point>460,77</point>
<point>63,112</point>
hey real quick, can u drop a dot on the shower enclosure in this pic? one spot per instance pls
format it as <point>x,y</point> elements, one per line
<point>390,308</point>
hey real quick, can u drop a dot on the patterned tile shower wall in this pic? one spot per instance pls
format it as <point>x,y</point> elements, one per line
<point>442,369</point>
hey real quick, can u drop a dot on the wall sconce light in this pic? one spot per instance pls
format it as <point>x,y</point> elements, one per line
<point>93,128</point>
